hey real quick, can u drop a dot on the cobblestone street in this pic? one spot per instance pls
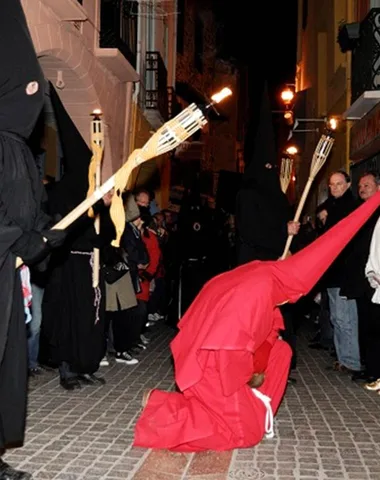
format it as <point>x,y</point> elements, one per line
<point>327,428</point>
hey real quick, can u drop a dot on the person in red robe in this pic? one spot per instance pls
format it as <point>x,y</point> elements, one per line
<point>228,336</point>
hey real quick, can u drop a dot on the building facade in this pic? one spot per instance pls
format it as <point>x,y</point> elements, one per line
<point>153,97</point>
<point>199,73</point>
<point>364,109</point>
<point>323,85</point>
<point>88,61</point>
<point>113,55</point>
<point>338,72</point>
<point>140,62</point>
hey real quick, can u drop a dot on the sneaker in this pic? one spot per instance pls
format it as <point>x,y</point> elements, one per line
<point>157,317</point>
<point>373,386</point>
<point>125,357</point>
<point>104,362</point>
<point>152,318</point>
<point>144,340</point>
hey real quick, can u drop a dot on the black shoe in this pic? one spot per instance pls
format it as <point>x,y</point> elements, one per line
<point>70,383</point>
<point>35,372</point>
<point>361,376</point>
<point>9,473</point>
<point>91,379</point>
<point>291,381</point>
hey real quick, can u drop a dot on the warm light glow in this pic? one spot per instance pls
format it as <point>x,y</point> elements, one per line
<point>287,96</point>
<point>332,123</point>
<point>293,178</point>
<point>97,112</point>
<point>288,115</point>
<point>292,150</point>
<point>219,96</point>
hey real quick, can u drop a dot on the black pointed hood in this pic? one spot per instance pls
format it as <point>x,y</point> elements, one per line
<point>263,151</point>
<point>72,188</point>
<point>21,78</point>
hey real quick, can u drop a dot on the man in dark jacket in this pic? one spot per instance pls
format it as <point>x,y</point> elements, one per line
<point>355,285</point>
<point>343,311</point>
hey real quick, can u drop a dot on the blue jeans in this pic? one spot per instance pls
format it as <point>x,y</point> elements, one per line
<point>35,326</point>
<point>344,318</point>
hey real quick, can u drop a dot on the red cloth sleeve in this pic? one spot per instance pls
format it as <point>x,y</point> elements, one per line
<point>154,252</point>
<point>235,369</point>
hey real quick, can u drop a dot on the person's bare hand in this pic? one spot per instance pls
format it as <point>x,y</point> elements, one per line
<point>107,199</point>
<point>293,228</point>
<point>322,215</point>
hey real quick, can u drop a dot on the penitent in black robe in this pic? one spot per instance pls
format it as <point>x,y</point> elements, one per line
<point>73,325</point>
<point>262,209</point>
<point>21,220</point>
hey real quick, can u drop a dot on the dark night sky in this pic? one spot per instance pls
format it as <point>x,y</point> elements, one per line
<point>266,42</point>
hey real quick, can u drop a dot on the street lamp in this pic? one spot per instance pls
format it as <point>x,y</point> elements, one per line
<point>287,96</point>
<point>292,150</point>
<point>332,123</point>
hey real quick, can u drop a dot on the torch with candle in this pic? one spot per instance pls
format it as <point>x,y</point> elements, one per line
<point>320,155</point>
<point>94,180</point>
<point>167,138</point>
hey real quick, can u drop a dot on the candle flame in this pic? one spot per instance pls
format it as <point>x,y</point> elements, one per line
<point>333,123</point>
<point>97,112</point>
<point>219,96</point>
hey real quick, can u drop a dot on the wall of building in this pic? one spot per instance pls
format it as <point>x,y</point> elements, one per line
<point>324,71</point>
<point>63,47</point>
<point>219,138</point>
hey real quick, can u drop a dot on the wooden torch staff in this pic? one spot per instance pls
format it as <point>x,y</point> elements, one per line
<point>94,181</point>
<point>320,155</point>
<point>167,138</point>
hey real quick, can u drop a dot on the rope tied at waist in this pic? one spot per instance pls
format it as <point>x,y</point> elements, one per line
<point>269,433</point>
<point>97,291</point>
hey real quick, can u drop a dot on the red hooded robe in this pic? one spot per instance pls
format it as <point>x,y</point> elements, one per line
<point>229,330</point>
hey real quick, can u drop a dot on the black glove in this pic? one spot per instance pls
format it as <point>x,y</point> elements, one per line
<point>55,238</point>
<point>31,247</point>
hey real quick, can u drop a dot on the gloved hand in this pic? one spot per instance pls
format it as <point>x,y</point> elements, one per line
<point>55,238</point>
<point>30,247</point>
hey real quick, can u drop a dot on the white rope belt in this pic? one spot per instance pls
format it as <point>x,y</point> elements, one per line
<point>269,433</point>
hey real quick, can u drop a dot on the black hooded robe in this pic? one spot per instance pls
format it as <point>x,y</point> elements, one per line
<point>262,209</point>
<point>21,219</point>
<point>73,325</point>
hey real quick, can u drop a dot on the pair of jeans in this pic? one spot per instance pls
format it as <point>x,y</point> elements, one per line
<point>344,319</point>
<point>34,326</point>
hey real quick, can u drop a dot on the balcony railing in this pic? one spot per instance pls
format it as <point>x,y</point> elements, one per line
<point>118,27</point>
<point>366,56</point>
<point>156,84</point>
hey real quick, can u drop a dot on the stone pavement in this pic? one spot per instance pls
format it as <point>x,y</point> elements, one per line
<point>327,428</point>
